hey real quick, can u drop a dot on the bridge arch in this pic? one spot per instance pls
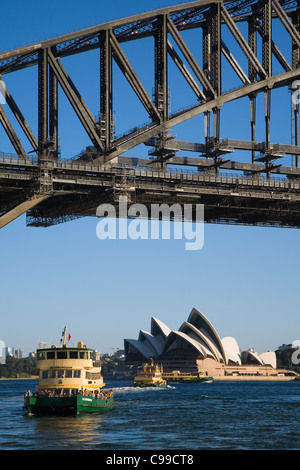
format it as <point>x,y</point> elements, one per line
<point>241,32</point>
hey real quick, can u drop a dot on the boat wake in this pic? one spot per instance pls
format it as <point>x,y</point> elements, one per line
<point>141,389</point>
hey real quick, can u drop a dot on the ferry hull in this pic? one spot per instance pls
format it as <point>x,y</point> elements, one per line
<point>67,405</point>
<point>189,380</point>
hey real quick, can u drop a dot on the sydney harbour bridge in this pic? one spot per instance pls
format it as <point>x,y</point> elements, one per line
<point>261,188</point>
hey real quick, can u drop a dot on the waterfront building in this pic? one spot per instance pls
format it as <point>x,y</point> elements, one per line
<point>197,347</point>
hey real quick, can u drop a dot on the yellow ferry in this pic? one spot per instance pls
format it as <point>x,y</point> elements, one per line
<point>150,376</point>
<point>69,382</point>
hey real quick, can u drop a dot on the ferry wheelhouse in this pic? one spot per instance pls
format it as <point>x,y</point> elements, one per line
<point>69,381</point>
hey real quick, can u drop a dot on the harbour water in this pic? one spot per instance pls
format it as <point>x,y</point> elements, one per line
<point>203,416</point>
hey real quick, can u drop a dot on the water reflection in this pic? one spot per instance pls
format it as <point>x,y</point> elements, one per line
<point>81,430</point>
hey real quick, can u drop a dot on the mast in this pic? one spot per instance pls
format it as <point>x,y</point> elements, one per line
<point>64,337</point>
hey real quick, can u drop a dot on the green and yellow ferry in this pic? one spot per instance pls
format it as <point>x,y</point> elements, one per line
<point>184,377</point>
<point>150,376</point>
<point>69,382</point>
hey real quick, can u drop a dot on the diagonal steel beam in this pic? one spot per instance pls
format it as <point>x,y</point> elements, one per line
<point>234,64</point>
<point>20,118</point>
<point>184,71</point>
<point>20,210</point>
<point>286,22</point>
<point>12,135</point>
<point>190,58</point>
<point>133,79</point>
<point>242,42</point>
<point>79,106</point>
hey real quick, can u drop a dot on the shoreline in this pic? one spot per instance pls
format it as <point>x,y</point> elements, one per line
<point>255,379</point>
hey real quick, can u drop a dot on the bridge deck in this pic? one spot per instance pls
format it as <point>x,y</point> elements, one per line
<point>77,189</point>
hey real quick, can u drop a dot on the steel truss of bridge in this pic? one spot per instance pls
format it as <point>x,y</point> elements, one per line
<point>261,191</point>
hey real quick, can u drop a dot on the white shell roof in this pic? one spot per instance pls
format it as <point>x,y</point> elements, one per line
<point>253,355</point>
<point>151,340</point>
<point>199,320</point>
<point>144,349</point>
<point>157,324</point>
<point>269,358</point>
<point>183,336</point>
<point>232,350</point>
<point>206,342</point>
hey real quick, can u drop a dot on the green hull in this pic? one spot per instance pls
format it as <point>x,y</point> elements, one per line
<point>67,405</point>
<point>186,380</point>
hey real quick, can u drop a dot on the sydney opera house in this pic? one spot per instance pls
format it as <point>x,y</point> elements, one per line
<point>197,347</point>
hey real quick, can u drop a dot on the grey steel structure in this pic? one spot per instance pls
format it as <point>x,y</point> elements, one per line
<point>261,191</point>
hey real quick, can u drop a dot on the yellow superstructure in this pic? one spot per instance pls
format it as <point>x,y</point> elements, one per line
<point>68,368</point>
<point>150,375</point>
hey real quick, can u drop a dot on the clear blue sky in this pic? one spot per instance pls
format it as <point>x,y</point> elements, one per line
<point>245,279</point>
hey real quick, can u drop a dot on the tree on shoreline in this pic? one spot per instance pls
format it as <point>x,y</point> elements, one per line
<point>15,367</point>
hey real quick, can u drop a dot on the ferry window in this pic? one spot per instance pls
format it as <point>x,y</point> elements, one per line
<point>45,374</point>
<point>60,374</point>
<point>61,354</point>
<point>84,355</point>
<point>51,355</point>
<point>52,374</point>
<point>68,374</point>
<point>76,374</point>
<point>73,354</point>
<point>41,355</point>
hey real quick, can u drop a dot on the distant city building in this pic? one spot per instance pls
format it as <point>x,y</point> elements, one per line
<point>96,355</point>
<point>18,353</point>
<point>8,351</point>
<point>42,345</point>
<point>11,351</point>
